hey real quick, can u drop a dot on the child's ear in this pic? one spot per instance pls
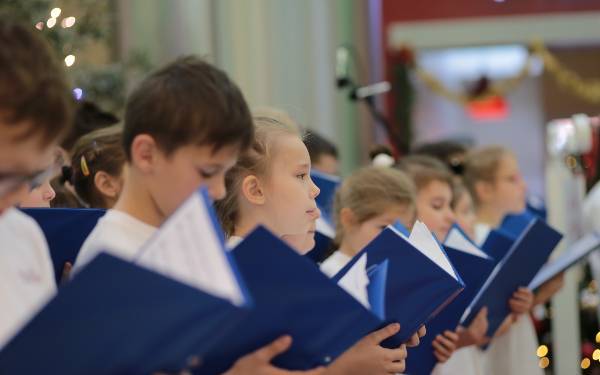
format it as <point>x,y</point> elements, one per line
<point>144,152</point>
<point>252,190</point>
<point>347,218</point>
<point>108,185</point>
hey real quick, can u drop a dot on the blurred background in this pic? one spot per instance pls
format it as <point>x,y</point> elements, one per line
<point>475,71</point>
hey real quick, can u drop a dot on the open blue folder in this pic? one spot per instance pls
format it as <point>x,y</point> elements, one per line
<point>65,230</point>
<point>497,244</point>
<point>324,236</point>
<point>518,267</point>
<point>474,266</point>
<point>573,254</point>
<point>291,296</point>
<point>328,184</point>
<point>417,287</point>
<point>117,318</point>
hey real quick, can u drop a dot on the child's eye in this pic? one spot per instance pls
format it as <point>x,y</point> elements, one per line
<point>206,174</point>
<point>301,176</point>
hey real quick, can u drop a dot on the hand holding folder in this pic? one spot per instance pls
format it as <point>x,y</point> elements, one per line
<point>518,267</point>
<point>474,266</point>
<point>420,279</point>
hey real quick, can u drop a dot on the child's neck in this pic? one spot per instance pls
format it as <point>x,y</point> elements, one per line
<point>490,216</point>
<point>136,201</point>
<point>346,249</point>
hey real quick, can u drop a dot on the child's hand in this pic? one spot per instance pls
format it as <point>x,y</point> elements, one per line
<point>259,362</point>
<point>368,357</point>
<point>415,339</point>
<point>549,289</point>
<point>444,345</point>
<point>475,333</point>
<point>521,301</point>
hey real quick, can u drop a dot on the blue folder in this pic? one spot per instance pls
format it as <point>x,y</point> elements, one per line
<point>515,224</point>
<point>117,318</point>
<point>573,254</point>
<point>518,267</point>
<point>323,242</point>
<point>497,244</point>
<point>474,270</point>
<point>65,230</point>
<point>328,184</point>
<point>416,289</point>
<point>291,296</point>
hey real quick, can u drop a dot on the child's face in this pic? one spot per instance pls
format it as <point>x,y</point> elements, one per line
<point>174,178</point>
<point>509,188</point>
<point>327,164</point>
<point>358,235</point>
<point>433,208</point>
<point>465,214</point>
<point>20,161</point>
<point>41,196</point>
<point>290,208</point>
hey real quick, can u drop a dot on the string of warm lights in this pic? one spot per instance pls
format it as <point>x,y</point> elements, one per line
<point>586,89</point>
<point>66,23</point>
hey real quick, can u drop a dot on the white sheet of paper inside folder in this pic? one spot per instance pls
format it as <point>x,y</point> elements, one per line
<point>356,280</point>
<point>457,240</point>
<point>189,248</point>
<point>422,239</point>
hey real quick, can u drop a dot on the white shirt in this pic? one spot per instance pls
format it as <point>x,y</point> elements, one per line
<point>464,361</point>
<point>117,233</point>
<point>26,273</point>
<point>332,265</point>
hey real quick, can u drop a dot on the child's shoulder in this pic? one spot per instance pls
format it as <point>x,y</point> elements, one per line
<point>16,226</point>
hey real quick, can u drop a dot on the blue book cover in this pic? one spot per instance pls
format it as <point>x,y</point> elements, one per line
<point>291,296</point>
<point>569,257</point>
<point>328,185</point>
<point>65,230</point>
<point>133,322</point>
<point>421,280</point>
<point>518,267</point>
<point>497,244</point>
<point>474,266</point>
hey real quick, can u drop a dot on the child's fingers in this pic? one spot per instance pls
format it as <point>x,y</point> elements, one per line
<point>452,336</point>
<point>413,341</point>
<point>445,343</point>
<point>268,352</point>
<point>395,367</point>
<point>422,331</point>
<point>394,355</point>
<point>441,349</point>
<point>384,333</point>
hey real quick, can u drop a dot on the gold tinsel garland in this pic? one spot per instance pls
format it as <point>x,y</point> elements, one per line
<point>588,90</point>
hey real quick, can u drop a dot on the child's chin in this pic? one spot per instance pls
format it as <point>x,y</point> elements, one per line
<point>307,246</point>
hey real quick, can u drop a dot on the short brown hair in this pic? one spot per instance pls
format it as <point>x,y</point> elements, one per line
<point>368,191</point>
<point>254,161</point>
<point>482,165</point>
<point>33,87</point>
<point>97,151</point>
<point>425,169</point>
<point>188,102</point>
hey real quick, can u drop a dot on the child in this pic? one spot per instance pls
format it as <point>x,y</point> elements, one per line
<point>35,112</point>
<point>323,154</point>
<point>97,167</point>
<point>434,183</point>
<point>88,117</point>
<point>464,209</point>
<point>368,201</point>
<point>492,176</point>
<point>184,127</point>
<point>271,186</point>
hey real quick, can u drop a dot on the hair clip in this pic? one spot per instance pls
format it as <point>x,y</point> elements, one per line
<point>84,167</point>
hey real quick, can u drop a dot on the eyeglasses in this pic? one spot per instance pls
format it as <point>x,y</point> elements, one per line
<point>10,182</point>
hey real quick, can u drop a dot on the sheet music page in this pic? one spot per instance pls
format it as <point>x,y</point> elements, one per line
<point>458,241</point>
<point>423,240</point>
<point>356,280</point>
<point>188,249</point>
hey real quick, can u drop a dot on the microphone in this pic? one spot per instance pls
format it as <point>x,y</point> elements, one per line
<point>370,90</point>
<point>342,63</point>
